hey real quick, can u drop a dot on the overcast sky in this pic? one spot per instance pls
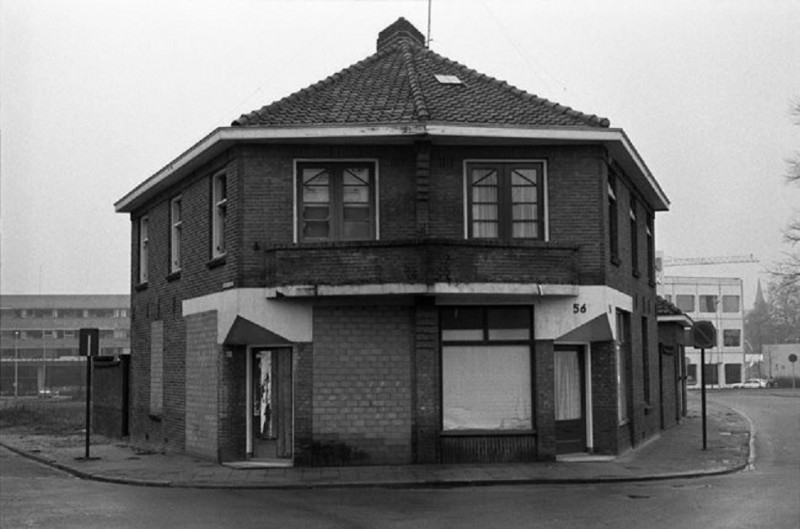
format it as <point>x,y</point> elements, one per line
<point>96,96</point>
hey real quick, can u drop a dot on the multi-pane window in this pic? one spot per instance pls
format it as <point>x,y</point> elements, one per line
<point>506,200</point>
<point>730,303</point>
<point>732,337</point>
<point>634,238</point>
<point>219,214</point>
<point>175,234</point>
<point>336,201</point>
<point>486,368</point>
<point>645,359</point>
<point>144,250</point>
<point>613,218</point>
<point>708,303</point>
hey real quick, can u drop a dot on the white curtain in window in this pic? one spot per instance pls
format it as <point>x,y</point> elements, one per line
<point>486,388</point>
<point>567,385</point>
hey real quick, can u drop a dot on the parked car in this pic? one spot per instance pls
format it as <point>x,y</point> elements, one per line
<point>751,383</point>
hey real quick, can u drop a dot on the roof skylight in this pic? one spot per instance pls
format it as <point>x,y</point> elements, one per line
<point>448,79</point>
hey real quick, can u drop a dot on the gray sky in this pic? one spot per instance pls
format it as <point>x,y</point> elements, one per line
<point>96,96</point>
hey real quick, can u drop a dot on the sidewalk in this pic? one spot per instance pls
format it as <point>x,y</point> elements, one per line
<point>677,452</point>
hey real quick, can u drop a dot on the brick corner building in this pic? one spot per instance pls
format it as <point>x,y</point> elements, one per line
<point>406,262</point>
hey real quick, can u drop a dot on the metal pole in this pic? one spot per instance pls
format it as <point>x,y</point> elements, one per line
<point>88,398</point>
<point>16,366</point>
<point>703,393</point>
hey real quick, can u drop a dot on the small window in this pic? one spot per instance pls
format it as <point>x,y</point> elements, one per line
<point>219,214</point>
<point>730,303</point>
<point>634,238</point>
<point>613,218</point>
<point>447,79</point>
<point>144,250</point>
<point>732,337</point>
<point>176,232</point>
<point>708,303</point>
<point>685,302</point>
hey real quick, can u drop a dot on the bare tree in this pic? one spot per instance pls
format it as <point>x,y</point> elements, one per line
<point>788,271</point>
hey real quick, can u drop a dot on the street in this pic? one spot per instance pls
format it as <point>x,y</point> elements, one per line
<point>765,496</point>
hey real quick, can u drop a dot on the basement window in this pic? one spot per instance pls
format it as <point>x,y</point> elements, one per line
<point>448,79</point>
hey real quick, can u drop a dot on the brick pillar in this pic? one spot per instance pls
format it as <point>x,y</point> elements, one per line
<point>303,403</point>
<point>604,397</point>
<point>545,400</point>
<point>426,380</point>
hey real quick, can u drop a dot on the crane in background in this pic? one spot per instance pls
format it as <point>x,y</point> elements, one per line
<point>727,259</point>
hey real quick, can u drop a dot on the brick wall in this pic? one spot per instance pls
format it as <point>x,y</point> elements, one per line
<point>202,375</point>
<point>426,380</point>
<point>362,383</point>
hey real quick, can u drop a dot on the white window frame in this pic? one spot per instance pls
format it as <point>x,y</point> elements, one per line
<point>144,248</point>
<point>545,201</point>
<point>219,214</point>
<point>176,232</point>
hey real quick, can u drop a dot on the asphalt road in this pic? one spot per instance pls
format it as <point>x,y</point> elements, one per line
<point>765,496</point>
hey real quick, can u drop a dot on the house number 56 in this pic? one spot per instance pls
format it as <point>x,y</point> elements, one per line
<point>576,308</point>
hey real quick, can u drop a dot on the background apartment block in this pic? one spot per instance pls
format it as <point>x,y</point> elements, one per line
<point>718,300</point>
<point>39,340</point>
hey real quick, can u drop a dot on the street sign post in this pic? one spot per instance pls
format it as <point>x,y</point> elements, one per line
<point>793,360</point>
<point>88,346</point>
<point>704,335</point>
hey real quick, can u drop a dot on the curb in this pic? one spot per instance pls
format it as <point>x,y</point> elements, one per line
<point>419,484</point>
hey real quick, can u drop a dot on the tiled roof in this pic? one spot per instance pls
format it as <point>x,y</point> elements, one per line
<point>398,85</point>
<point>665,308</point>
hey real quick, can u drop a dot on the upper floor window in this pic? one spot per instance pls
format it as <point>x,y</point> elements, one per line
<point>708,303</point>
<point>336,201</point>
<point>651,251</point>
<point>144,248</point>
<point>732,337</point>
<point>219,214</point>
<point>505,200</point>
<point>730,303</point>
<point>685,302</point>
<point>634,238</point>
<point>175,233</point>
<point>613,218</point>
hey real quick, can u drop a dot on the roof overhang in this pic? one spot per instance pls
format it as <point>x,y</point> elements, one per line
<point>218,141</point>
<point>680,319</point>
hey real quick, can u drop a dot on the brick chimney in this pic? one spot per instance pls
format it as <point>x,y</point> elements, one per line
<point>401,29</point>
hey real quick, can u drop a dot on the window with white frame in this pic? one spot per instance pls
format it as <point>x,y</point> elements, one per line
<point>175,234</point>
<point>505,200</point>
<point>219,214</point>
<point>144,248</point>
<point>486,368</point>
<point>336,201</point>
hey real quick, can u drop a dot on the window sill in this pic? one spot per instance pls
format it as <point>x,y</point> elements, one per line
<point>140,287</point>
<point>615,260</point>
<point>216,262</point>
<point>637,274</point>
<point>485,433</point>
<point>174,276</point>
<point>154,417</point>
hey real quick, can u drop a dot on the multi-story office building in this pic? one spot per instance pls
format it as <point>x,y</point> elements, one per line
<point>39,339</point>
<point>718,300</point>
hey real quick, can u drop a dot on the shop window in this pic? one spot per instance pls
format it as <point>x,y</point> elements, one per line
<point>486,368</point>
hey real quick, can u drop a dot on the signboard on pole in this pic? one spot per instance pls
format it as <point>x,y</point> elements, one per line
<point>88,342</point>
<point>704,335</point>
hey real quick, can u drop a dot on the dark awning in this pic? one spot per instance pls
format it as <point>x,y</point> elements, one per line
<point>245,332</point>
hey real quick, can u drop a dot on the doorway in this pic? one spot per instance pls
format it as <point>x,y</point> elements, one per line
<point>569,399</point>
<point>271,406</point>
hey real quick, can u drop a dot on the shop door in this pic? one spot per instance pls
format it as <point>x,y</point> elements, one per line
<point>569,401</point>
<point>272,404</point>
